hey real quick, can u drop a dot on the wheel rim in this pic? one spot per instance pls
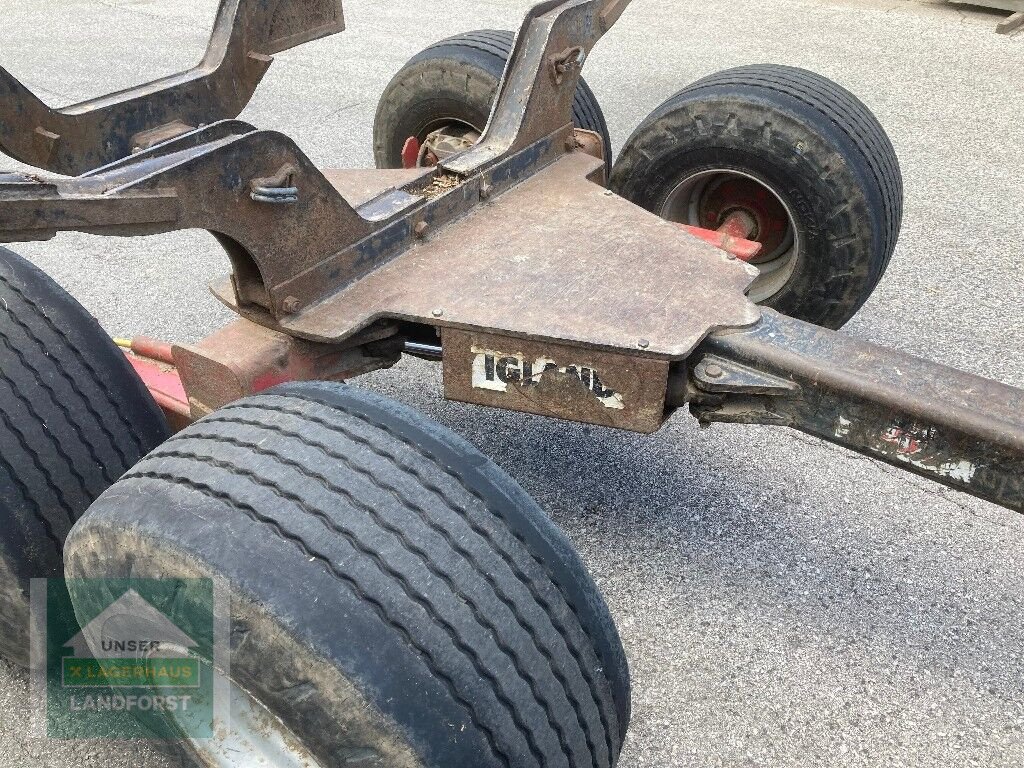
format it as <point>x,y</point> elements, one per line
<point>711,198</point>
<point>254,738</point>
<point>443,130</point>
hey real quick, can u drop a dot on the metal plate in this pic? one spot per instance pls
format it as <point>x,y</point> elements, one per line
<point>613,390</point>
<point>559,258</point>
<point>363,185</point>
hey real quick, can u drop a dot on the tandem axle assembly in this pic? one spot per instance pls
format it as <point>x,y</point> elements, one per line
<point>745,221</point>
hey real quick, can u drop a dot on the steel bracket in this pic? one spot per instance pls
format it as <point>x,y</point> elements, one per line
<point>76,139</point>
<point>720,375</point>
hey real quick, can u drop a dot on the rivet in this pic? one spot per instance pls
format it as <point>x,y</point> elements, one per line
<point>643,343</point>
<point>713,371</point>
<point>437,312</point>
<point>730,256</point>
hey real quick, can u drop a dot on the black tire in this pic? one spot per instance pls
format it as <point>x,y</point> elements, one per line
<point>73,418</point>
<point>813,144</point>
<point>408,574</point>
<point>458,78</point>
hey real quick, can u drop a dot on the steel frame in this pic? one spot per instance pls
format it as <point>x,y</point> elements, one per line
<point>549,294</point>
<point>76,139</point>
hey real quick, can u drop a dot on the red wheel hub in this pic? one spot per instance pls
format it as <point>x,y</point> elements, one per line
<point>765,216</point>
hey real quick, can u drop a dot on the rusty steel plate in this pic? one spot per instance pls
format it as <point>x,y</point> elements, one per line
<point>359,187</point>
<point>557,257</point>
<point>605,388</point>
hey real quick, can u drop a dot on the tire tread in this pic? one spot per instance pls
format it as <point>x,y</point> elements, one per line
<point>846,112</point>
<point>420,545</point>
<point>851,209</point>
<point>73,418</point>
<point>603,705</point>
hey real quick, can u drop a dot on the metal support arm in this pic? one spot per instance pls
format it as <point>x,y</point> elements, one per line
<point>292,238</point>
<point>76,139</point>
<point>953,427</point>
<point>536,93</point>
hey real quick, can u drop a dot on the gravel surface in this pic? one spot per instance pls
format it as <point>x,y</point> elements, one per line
<point>783,602</point>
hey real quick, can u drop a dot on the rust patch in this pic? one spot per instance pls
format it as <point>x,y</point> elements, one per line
<point>551,379</point>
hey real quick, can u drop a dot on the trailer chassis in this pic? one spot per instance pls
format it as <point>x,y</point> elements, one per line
<point>540,290</point>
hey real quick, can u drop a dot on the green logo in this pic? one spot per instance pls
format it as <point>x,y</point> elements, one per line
<point>136,661</point>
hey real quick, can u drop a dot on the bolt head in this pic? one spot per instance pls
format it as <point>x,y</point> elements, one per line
<point>485,191</point>
<point>713,371</point>
<point>437,312</point>
<point>421,229</point>
<point>643,343</point>
<point>290,305</point>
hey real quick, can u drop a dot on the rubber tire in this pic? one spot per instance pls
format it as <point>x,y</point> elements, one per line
<point>458,78</point>
<point>816,145</point>
<point>404,566</point>
<point>73,418</point>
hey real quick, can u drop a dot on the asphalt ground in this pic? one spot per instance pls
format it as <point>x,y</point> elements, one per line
<point>783,602</point>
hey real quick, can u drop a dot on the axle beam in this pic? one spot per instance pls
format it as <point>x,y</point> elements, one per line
<point>958,429</point>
